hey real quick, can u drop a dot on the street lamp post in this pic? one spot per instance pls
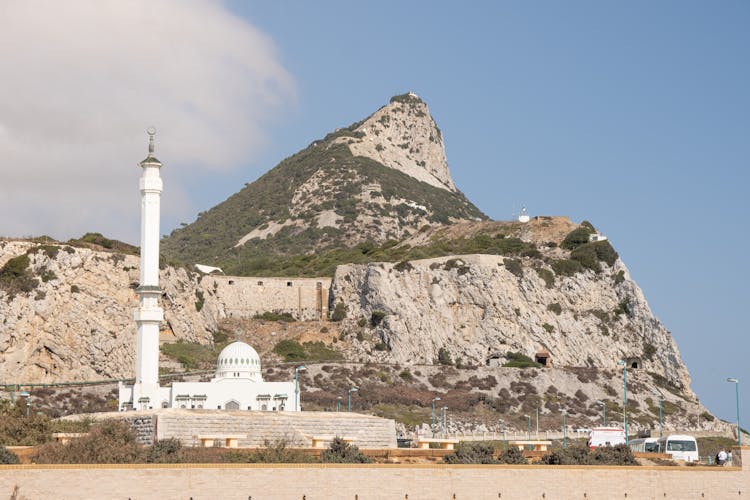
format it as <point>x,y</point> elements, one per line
<point>338,403</point>
<point>432,425</point>
<point>442,430</point>
<point>349,398</point>
<point>27,395</point>
<point>625,399</point>
<point>528,418</point>
<point>565,430</point>
<point>736,383</point>
<point>296,385</point>
<point>603,404</point>
<point>661,399</point>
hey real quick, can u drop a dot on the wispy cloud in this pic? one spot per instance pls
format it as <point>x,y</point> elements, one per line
<point>81,80</point>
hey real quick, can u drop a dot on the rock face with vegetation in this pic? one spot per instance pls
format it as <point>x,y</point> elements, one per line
<point>67,312</point>
<point>377,180</point>
<point>574,300</point>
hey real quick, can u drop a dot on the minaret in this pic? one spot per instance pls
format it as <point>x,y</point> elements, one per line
<point>149,315</point>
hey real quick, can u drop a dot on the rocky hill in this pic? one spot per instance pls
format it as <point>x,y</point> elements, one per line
<point>66,312</point>
<point>377,180</point>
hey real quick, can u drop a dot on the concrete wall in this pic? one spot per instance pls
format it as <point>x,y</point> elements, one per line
<point>368,482</point>
<point>244,297</point>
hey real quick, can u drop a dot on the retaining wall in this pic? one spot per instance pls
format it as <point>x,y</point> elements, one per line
<point>369,482</point>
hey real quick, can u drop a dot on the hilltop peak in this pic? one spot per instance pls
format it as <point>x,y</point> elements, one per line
<point>403,136</point>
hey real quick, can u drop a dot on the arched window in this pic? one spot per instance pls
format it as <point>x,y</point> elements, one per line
<point>232,405</point>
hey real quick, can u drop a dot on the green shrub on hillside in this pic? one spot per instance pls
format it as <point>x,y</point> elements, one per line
<point>547,275</point>
<point>444,357</point>
<point>339,312</point>
<point>292,350</point>
<point>577,237</point>
<point>514,266</point>
<point>377,317</point>
<point>192,355</point>
<point>15,276</point>
<point>566,267</point>
<point>518,360</point>
<point>276,316</point>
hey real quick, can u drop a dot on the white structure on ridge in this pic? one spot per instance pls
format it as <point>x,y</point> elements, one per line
<point>237,385</point>
<point>524,217</point>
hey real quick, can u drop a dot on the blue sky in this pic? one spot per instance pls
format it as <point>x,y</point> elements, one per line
<point>633,115</point>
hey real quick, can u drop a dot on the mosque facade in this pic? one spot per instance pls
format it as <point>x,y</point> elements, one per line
<point>237,383</point>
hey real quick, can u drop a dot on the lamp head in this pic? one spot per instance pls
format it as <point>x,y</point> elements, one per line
<point>301,368</point>
<point>621,362</point>
<point>733,380</point>
<point>353,389</point>
<point>437,398</point>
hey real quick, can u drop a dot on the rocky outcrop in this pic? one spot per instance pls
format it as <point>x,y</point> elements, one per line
<point>76,324</point>
<point>403,136</point>
<point>479,308</point>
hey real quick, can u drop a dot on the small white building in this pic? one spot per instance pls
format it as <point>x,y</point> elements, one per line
<point>237,385</point>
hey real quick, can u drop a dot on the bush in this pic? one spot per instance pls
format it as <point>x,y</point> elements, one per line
<point>511,455</point>
<point>648,351</point>
<point>623,308</point>
<point>290,350</point>
<point>111,442</point>
<point>472,452</point>
<point>444,357</point>
<point>18,429</point>
<point>15,277</point>
<point>406,375</point>
<point>270,453</point>
<point>7,456</point>
<point>341,452</point>
<point>518,360</point>
<point>547,275</point>
<point>555,308</point>
<point>377,317</point>
<point>201,300</point>
<point>566,267</point>
<point>286,317</point>
<point>548,328</point>
<point>166,451</point>
<point>339,312</point>
<point>514,267</point>
<point>192,355</point>
<point>402,266</point>
<point>578,455</point>
<point>577,237</point>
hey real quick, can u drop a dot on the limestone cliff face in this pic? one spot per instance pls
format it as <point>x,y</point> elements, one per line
<point>403,136</point>
<point>476,308</point>
<point>77,323</point>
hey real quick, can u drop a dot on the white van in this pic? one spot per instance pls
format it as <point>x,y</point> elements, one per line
<point>680,446</point>
<point>606,436</point>
<point>645,445</point>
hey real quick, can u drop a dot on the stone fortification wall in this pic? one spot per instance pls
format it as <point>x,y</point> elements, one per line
<point>244,297</point>
<point>349,482</point>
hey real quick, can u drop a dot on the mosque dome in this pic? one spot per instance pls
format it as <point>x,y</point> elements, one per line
<point>238,360</point>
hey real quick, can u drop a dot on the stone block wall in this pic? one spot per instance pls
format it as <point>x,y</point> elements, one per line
<point>297,429</point>
<point>244,297</point>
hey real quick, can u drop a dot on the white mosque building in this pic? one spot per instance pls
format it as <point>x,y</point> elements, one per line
<point>237,384</point>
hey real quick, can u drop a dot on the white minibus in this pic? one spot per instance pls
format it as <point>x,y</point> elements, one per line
<point>680,446</point>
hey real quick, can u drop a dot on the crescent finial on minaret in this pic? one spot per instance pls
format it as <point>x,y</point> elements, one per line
<point>151,131</point>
